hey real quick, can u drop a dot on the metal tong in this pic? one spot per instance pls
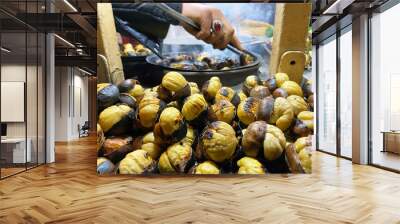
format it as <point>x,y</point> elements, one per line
<point>183,19</point>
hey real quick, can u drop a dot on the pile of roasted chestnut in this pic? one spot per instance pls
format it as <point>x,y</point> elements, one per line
<point>138,50</point>
<point>203,61</point>
<point>177,128</point>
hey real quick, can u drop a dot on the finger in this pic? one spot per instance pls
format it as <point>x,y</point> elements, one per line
<point>205,26</point>
<point>222,42</point>
<point>218,39</point>
<point>236,42</point>
<point>227,39</point>
<point>213,39</point>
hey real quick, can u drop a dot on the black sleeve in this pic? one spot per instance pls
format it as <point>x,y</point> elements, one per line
<point>146,17</point>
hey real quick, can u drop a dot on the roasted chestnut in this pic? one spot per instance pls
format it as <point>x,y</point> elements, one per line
<point>137,162</point>
<point>271,84</point>
<point>247,110</point>
<point>280,78</point>
<point>224,111</point>
<point>127,99</point>
<point>117,119</point>
<point>206,167</point>
<point>149,145</point>
<point>304,123</point>
<point>279,92</point>
<point>132,87</point>
<point>265,109</point>
<point>305,159</point>
<point>195,109</point>
<point>253,138</point>
<point>298,104</point>
<point>260,92</point>
<point>176,159</point>
<point>148,111</point>
<point>210,88</point>
<point>250,82</point>
<point>107,95</point>
<point>228,94</point>
<point>171,127</point>
<point>217,142</point>
<point>260,136</point>
<point>173,87</point>
<point>293,160</point>
<point>248,165</point>
<point>282,115</point>
<point>292,88</point>
<point>115,148</point>
<point>193,88</point>
<point>301,143</point>
<point>104,166</point>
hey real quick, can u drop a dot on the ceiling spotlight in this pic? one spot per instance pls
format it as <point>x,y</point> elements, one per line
<point>5,50</point>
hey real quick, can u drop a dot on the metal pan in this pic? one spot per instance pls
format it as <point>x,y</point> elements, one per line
<point>229,77</point>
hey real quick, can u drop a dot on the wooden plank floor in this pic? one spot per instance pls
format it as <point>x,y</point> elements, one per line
<point>69,191</point>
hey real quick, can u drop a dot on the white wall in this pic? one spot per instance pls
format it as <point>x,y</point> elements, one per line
<point>71,94</point>
<point>34,125</point>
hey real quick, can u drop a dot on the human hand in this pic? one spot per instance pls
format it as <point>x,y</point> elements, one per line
<point>204,16</point>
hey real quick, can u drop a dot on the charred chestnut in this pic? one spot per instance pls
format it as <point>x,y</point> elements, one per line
<point>247,110</point>
<point>127,99</point>
<point>292,88</point>
<point>279,92</point>
<point>117,119</point>
<point>149,110</point>
<point>176,85</point>
<point>194,109</point>
<point>137,162</point>
<point>281,78</point>
<point>248,165</point>
<point>176,159</point>
<point>171,127</point>
<point>210,88</point>
<point>218,142</point>
<point>271,84</point>
<point>298,104</point>
<point>282,115</point>
<point>304,124</point>
<point>107,95</point>
<point>224,111</point>
<point>228,94</point>
<point>206,167</point>
<point>260,136</point>
<point>250,82</point>
<point>260,92</point>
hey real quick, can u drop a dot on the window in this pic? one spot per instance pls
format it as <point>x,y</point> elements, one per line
<point>385,89</point>
<point>346,93</point>
<point>327,96</point>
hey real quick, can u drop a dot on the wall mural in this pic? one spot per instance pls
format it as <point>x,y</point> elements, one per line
<point>187,108</point>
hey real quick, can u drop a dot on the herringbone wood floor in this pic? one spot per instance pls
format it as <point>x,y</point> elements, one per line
<point>69,191</point>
